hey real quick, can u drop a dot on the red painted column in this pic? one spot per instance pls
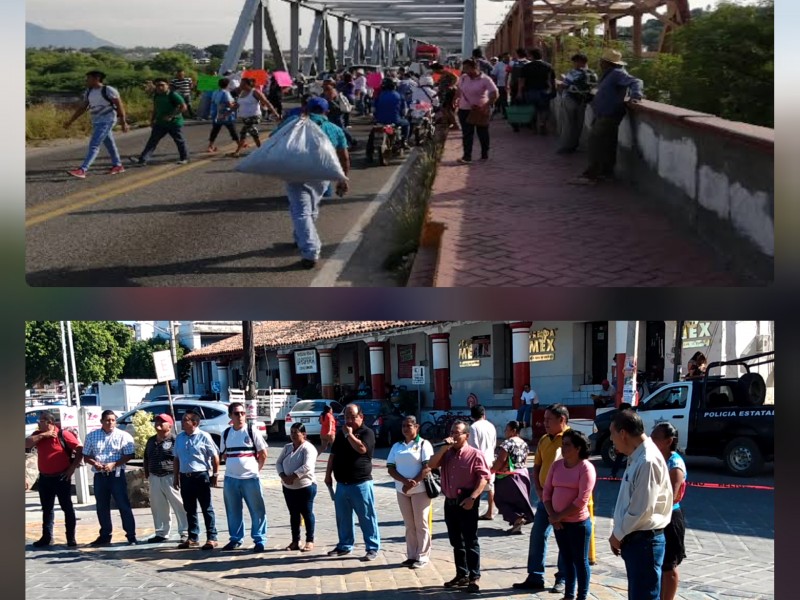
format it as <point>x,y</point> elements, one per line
<point>376,367</point>
<point>521,358</point>
<point>441,370</point>
<point>326,372</point>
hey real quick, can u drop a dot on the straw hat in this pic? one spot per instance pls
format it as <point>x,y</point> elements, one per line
<point>613,56</point>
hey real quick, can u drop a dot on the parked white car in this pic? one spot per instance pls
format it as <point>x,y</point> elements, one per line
<point>308,413</point>
<point>214,418</point>
<point>66,417</point>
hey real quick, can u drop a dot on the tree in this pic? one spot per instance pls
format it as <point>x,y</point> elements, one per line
<point>217,50</point>
<point>139,364</point>
<point>169,62</point>
<point>101,348</point>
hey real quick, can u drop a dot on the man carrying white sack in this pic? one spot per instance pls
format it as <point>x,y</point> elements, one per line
<point>304,197</point>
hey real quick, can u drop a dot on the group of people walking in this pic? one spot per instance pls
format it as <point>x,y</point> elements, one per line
<point>648,525</point>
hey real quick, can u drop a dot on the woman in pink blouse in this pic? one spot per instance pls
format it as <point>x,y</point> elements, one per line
<point>475,90</point>
<point>567,490</point>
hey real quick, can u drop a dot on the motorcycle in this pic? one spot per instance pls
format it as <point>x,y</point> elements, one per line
<point>386,140</point>
<point>421,117</point>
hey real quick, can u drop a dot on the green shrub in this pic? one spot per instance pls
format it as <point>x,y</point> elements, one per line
<point>144,430</point>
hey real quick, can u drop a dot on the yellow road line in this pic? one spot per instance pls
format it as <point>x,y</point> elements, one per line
<point>78,200</point>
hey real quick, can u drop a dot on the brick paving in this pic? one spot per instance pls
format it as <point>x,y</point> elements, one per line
<point>729,545</point>
<point>516,221</point>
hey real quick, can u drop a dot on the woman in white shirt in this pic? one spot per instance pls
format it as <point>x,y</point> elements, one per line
<point>408,466</point>
<point>295,467</point>
<point>248,107</point>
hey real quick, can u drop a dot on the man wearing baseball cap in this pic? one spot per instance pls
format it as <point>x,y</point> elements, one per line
<point>304,197</point>
<point>605,397</point>
<point>158,469</point>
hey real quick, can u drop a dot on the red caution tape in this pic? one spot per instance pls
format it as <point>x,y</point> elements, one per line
<point>719,486</point>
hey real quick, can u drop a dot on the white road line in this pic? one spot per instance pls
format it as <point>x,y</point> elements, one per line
<point>334,266</point>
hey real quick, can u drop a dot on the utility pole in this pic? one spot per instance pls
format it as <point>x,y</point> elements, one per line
<point>66,364</point>
<point>174,351</point>
<point>676,373</point>
<point>249,371</point>
<point>81,478</point>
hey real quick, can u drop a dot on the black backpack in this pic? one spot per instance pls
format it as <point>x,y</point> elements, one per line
<point>249,432</point>
<point>104,92</point>
<point>62,441</point>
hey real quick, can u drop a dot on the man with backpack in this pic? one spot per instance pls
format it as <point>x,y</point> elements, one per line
<point>245,454</point>
<point>166,119</point>
<point>59,454</point>
<point>104,105</point>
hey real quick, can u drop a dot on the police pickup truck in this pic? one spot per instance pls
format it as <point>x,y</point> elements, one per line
<point>717,416</point>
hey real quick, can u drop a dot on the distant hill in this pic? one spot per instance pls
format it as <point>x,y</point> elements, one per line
<point>41,37</point>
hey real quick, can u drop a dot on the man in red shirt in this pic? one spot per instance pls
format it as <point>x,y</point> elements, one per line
<point>60,452</point>
<point>464,475</point>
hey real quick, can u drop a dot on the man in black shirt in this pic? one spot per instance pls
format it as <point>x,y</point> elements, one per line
<point>350,462</point>
<point>537,83</point>
<point>158,462</point>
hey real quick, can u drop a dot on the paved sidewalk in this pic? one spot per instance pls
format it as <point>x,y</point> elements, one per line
<point>514,220</point>
<point>729,543</point>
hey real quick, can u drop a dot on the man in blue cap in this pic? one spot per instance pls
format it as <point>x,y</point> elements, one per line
<point>304,197</point>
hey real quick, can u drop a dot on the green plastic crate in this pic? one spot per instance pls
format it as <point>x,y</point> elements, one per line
<point>520,114</point>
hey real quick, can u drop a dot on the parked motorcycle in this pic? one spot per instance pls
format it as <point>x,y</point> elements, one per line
<point>386,140</point>
<point>421,117</point>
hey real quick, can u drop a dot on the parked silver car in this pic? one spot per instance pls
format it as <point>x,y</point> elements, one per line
<point>308,413</point>
<point>214,418</point>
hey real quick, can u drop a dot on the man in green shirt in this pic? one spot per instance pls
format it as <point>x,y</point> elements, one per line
<point>166,119</point>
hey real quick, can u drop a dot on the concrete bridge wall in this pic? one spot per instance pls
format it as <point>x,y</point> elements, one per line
<point>715,177</point>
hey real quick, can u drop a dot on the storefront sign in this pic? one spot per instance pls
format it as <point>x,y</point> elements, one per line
<point>697,334</point>
<point>542,345</point>
<point>472,350</point>
<point>305,361</point>
<point>406,357</point>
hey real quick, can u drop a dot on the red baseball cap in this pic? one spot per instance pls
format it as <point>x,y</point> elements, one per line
<point>166,418</point>
<point>605,382</point>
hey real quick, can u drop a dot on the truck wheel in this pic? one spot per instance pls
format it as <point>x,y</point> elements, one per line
<point>608,452</point>
<point>743,458</point>
<point>752,389</point>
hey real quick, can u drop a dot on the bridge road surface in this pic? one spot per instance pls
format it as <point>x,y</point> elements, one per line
<point>195,225</point>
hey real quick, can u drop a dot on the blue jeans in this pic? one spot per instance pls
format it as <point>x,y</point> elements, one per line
<point>301,505</point>
<point>537,550</point>
<point>643,553</point>
<point>304,201</point>
<point>358,497</point>
<point>158,132</point>
<point>573,546</point>
<point>106,486</point>
<point>234,491</point>
<point>101,134</point>
<point>524,414</point>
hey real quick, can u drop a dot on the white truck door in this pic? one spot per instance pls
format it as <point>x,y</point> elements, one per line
<point>669,403</point>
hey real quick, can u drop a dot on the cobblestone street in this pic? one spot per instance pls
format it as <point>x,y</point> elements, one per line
<point>729,543</point>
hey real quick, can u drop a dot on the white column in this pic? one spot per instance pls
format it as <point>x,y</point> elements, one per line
<point>468,41</point>
<point>326,372</point>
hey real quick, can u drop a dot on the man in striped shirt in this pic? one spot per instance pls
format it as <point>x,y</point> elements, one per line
<point>245,454</point>
<point>184,86</point>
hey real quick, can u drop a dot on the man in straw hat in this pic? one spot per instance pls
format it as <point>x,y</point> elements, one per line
<point>608,107</point>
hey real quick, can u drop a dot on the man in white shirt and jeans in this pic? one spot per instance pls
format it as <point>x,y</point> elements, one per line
<point>530,402</point>
<point>644,507</point>
<point>483,437</point>
<point>245,453</point>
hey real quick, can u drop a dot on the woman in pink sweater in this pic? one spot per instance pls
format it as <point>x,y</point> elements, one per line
<point>567,490</point>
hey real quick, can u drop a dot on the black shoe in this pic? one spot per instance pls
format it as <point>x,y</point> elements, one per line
<point>231,546</point>
<point>258,548</point>
<point>338,552</point>
<point>132,541</point>
<point>100,542</point>
<point>529,584</point>
<point>457,582</point>
<point>42,542</point>
<point>156,539</point>
<point>370,556</point>
<point>473,587</point>
<point>136,161</point>
<point>558,588</point>
<point>71,542</point>
<point>407,563</point>
<point>307,263</point>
